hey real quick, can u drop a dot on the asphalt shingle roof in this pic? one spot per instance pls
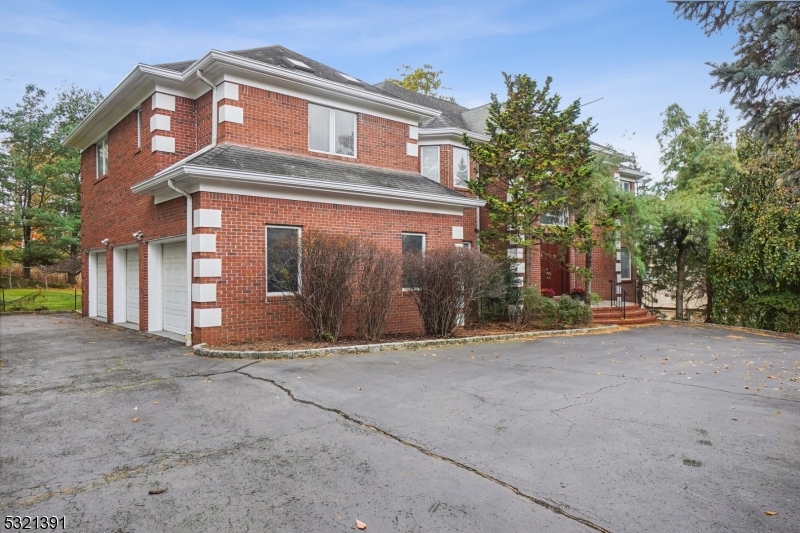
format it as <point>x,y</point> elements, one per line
<point>232,157</point>
<point>276,56</point>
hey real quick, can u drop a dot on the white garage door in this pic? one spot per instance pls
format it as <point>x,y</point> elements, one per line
<point>102,286</point>
<point>174,287</point>
<point>132,286</point>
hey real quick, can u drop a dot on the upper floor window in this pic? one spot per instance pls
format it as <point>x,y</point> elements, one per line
<point>430,162</point>
<point>138,128</point>
<point>101,150</point>
<point>559,218</point>
<point>460,167</point>
<point>627,186</point>
<point>331,130</point>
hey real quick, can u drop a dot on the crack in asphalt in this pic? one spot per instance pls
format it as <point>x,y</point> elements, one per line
<point>533,499</point>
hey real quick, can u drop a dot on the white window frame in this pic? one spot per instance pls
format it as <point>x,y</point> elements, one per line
<point>469,171</point>
<point>332,131</point>
<point>98,147</point>
<point>623,183</point>
<point>623,252</point>
<point>562,218</point>
<point>138,128</point>
<point>438,158</point>
<point>464,244</point>
<point>299,230</point>
<point>424,244</point>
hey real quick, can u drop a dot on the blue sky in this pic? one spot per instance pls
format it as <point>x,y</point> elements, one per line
<point>635,55</point>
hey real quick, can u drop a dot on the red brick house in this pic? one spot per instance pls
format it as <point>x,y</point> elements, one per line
<point>191,171</point>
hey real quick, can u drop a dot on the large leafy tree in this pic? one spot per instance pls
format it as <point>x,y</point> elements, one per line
<point>767,66</point>
<point>422,80</point>
<point>39,177</point>
<point>537,156</point>
<point>686,206</point>
<point>756,267</point>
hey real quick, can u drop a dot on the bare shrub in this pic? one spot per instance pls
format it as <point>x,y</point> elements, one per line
<point>378,282</point>
<point>327,276</point>
<point>445,282</point>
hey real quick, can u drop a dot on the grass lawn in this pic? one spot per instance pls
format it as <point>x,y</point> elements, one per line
<point>50,300</point>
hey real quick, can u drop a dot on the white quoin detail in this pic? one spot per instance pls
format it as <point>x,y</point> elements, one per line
<point>204,292</point>
<point>412,150</point>
<point>228,91</point>
<point>204,243</point>
<point>207,318</point>
<point>229,113</point>
<point>207,218</point>
<point>164,101</point>
<point>458,232</point>
<point>207,268</point>
<point>160,143</point>
<point>160,122</point>
<point>413,132</point>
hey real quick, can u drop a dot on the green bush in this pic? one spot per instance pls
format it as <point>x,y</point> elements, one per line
<point>777,312</point>
<point>573,312</point>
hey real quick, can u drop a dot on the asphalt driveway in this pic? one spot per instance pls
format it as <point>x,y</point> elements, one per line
<point>663,428</point>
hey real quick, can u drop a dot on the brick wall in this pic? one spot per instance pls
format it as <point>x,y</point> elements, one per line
<point>276,121</point>
<point>248,314</point>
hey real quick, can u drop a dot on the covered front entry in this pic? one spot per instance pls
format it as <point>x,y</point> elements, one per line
<point>173,266</point>
<point>555,272</point>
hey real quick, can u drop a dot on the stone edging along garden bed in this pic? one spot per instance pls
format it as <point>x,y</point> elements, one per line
<point>201,349</point>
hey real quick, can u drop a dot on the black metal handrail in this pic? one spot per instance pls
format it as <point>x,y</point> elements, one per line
<point>619,297</point>
<point>624,303</point>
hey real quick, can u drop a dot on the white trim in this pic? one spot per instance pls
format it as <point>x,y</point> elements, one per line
<point>160,122</point>
<point>142,80</point>
<point>118,298</point>
<point>451,136</point>
<point>515,253</point>
<point>302,188</point>
<point>97,151</point>
<point>299,230</point>
<point>138,128</point>
<point>207,218</point>
<point>163,101</point>
<point>92,283</point>
<point>204,292</point>
<point>207,318</point>
<point>229,113</point>
<point>208,268</point>
<point>204,242</point>
<point>228,91</point>
<point>159,143</point>
<point>630,264</point>
<point>155,293</point>
<point>332,130</point>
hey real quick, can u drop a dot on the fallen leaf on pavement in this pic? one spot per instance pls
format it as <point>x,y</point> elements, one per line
<point>770,513</point>
<point>156,402</point>
<point>157,491</point>
<point>778,413</point>
<point>360,524</point>
<point>135,419</point>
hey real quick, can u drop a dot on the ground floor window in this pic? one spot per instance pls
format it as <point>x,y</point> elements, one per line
<point>283,259</point>
<point>625,266</point>
<point>412,243</point>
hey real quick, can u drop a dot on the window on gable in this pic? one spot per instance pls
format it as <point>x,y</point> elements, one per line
<point>331,130</point>
<point>625,263</point>
<point>460,167</point>
<point>430,162</point>
<point>413,243</point>
<point>559,218</point>
<point>101,152</point>
<point>283,259</point>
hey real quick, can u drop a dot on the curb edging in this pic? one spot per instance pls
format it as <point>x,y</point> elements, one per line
<point>200,349</point>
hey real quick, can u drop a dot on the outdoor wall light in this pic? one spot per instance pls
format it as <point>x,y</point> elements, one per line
<point>138,235</point>
<point>104,242</point>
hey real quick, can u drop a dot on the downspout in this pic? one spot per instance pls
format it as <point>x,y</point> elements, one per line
<point>478,227</point>
<point>189,277</point>
<point>189,211</point>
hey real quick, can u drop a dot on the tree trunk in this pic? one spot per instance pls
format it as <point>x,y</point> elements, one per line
<point>709,300</point>
<point>72,279</point>
<point>681,280</point>
<point>526,254</point>
<point>587,297</point>
<point>26,244</point>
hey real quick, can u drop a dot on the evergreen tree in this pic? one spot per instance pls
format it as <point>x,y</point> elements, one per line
<point>40,178</point>
<point>767,65</point>
<point>536,157</point>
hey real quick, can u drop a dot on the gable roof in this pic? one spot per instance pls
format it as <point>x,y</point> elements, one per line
<point>276,56</point>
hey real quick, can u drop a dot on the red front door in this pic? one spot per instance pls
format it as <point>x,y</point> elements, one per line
<point>555,274</point>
